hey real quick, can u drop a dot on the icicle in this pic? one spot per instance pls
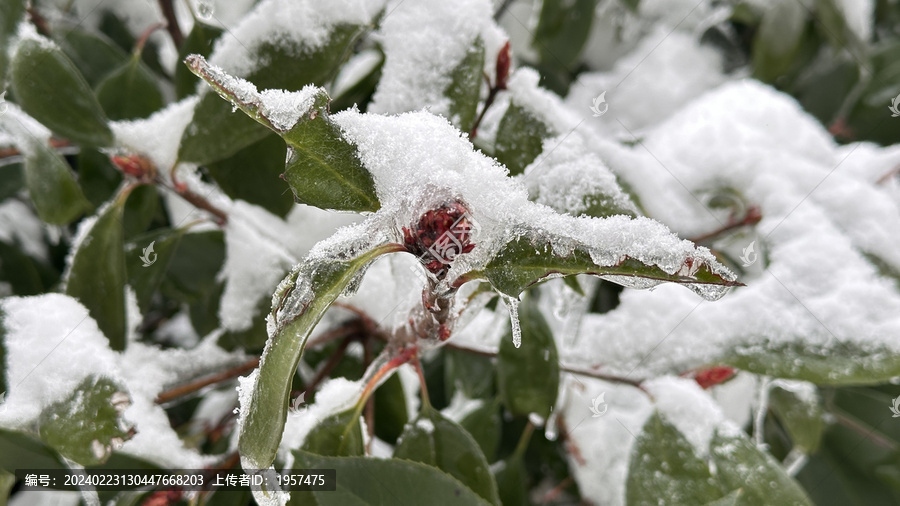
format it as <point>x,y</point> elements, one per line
<point>551,430</point>
<point>512,305</point>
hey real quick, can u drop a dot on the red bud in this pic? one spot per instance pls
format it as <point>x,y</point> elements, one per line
<point>503,61</point>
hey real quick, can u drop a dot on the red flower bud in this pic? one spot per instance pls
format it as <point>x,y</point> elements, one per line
<point>440,236</point>
<point>713,376</point>
<point>503,60</point>
<point>135,166</point>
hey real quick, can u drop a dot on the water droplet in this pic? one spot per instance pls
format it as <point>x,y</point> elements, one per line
<point>205,9</point>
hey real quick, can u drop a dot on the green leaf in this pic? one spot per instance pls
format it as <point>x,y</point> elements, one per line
<point>147,260</point>
<point>87,425</point>
<point>732,499</point>
<point>437,441</point>
<point>512,480</point>
<point>267,411</point>
<point>663,465</point>
<point>192,273</point>
<point>98,177</point>
<point>520,137</point>
<point>52,186</point>
<point>845,363</point>
<point>12,180</point>
<point>520,264</point>
<point>470,374</point>
<point>7,480</point>
<point>740,464</point>
<point>93,53</point>
<point>252,174</point>
<point>339,435</point>
<point>465,87</point>
<point>39,71</point>
<point>800,416</point>
<point>216,133</point>
<point>26,275</point>
<point>563,29</point>
<point>483,423</point>
<point>388,481</point>
<point>528,376</point>
<point>130,91</point>
<point>323,169</point>
<point>21,450</point>
<point>778,39</point>
<point>11,13</point>
<point>390,409</point>
<point>199,41</point>
<point>97,274</point>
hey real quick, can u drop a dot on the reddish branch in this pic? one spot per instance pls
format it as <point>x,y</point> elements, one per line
<point>502,71</point>
<point>171,22</point>
<point>197,385</point>
<point>751,217</point>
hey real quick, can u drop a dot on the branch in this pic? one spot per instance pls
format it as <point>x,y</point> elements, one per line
<point>194,386</point>
<point>752,217</point>
<point>171,22</point>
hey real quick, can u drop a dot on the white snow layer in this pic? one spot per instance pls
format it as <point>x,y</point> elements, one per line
<point>53,344</point>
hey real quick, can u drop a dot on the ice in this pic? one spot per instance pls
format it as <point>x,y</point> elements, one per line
<point>298,26</point>
<point>512,305</point>
<point>423,42</point>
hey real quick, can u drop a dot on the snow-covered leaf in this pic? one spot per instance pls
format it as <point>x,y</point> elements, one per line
<point>388,481</point>
<point>521,264</point>
<point>130,91</point>
<point>39,70</point>
<point>298,305</point>
<point>216,132</point>
<point>846,363</point>
<point>339,435</point>
<point>437,441</point>
<point>528,375</point>
<point>96,275</point>
<point>664,465</point>
<point>323,169</point>
<point>740,464</point>
<point>87,426</point>
<point>519,139</point>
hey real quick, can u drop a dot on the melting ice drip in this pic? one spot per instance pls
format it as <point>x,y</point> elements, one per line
<point>512,304</point>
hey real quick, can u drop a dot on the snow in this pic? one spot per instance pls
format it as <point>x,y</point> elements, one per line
<point>461,406</point>
<point>859,15</point>
<point>298,26</point>
<point>71,348</point>
<point>334,395</point>
<point>19,226</point>
<point>423,42</point>
<point>158,136</point>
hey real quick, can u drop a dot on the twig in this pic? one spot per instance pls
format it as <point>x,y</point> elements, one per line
<point>38,21</point>
<point>502,74</point>
<point>171,22</point>
<point>349,328</point>
<point>329,366</point>
<point>194,386</point>
<point>142,40</point>
<point>752,217</point>
<point>426,400</point>
<point>197,201</point>
<point>567,368</point>
<point>553,493</point>
<point>872,434</point>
